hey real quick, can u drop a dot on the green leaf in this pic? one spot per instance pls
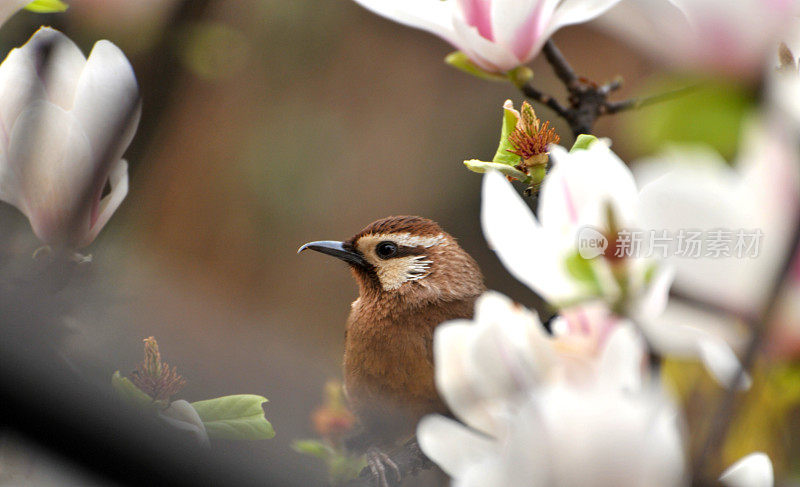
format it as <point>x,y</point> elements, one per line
<point>502,155</point>
<point>475,165</point>
<point>711,114</point>
<point>583,142</point>
<point>130,393</point>
<point>237,417</point>
<point>460,61</point>
<point>47,6</point>
<point>314,448</point>
<point>581,270</point>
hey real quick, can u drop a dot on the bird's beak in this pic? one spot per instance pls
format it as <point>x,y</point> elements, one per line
<point>338,250</point>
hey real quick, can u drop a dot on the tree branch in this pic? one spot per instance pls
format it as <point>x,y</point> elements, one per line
<point>560,65</point>
<point>587,100</point>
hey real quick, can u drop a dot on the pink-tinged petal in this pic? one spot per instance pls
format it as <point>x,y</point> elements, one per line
<point>107,101</point>
<point>530,255</point>
<point>61,68</point>
<point>477,14</point>
<point>118,180</point>
<point>434,17</point>
<point>488,55</point>
<point>518,24</point>
<point>52,180</point>
<point>582,182</point>
<point>754,470</point>
<point>451,445</point>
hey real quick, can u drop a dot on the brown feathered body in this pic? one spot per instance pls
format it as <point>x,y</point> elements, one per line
<point>388,359</point>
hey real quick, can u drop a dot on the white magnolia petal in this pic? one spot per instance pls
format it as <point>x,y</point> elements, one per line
<point>107,101</point>
<point>655,27</point>
<point>54,179</point>
<point>690,342</point>
<point>489,55</point>
<point>19,86</point>
<point>9,8</point>
<point>513,233</point>
<point>62,62</point>
<point>620,366</point>
<point>754,470</point>
<point>582,181</point>
<point>694,189</point>
<point>453,446</point>
<point>655,299</point>
<point>434,17</point>
<point>182,415</point>
<point>450,348</point>
<point>665,465</point>
<point>118,180</point>
<point>577,11</point>
<point>721,362</point>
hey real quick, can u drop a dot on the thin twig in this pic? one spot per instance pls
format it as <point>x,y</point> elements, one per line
<point>634,103</point>
<point>545,99</point>
<point>587,100</point>
<point>726,407</point>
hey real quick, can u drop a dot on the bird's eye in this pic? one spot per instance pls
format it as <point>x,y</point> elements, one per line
<point>386,249</point>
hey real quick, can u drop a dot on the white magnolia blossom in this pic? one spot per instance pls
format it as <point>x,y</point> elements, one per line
<point>66,121</point>
<point>484,365</point>
<point>696,189</point>
<point>529,419</point>
<point>528,423</point>
<point>577,194</point>
<point>497,35</point>
<point>732,37</point>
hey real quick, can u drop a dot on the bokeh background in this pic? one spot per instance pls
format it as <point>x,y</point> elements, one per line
<point>267,124</point>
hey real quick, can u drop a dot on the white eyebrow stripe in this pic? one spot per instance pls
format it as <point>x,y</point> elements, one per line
<point>409,240</point>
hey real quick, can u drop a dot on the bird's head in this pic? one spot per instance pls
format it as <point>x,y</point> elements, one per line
<point>406,256</point>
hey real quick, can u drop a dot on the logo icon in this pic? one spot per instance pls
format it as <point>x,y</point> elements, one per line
<point>591,242</point>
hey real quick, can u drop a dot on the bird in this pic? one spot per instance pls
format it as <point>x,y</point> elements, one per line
<point>411,276</point>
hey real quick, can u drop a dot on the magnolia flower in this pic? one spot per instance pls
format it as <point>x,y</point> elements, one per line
<point>66,122</point>
<point>712,35</point>
<point>484,366</point>
<point>529,420</point>
<point>497,35</point>
<point>609,430</point>
<point>759,198</point>
<point>593,191</point>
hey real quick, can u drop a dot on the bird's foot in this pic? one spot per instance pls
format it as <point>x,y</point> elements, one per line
<point>380,464</point>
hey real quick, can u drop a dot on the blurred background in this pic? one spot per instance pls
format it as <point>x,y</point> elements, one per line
<point>267,124</point>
